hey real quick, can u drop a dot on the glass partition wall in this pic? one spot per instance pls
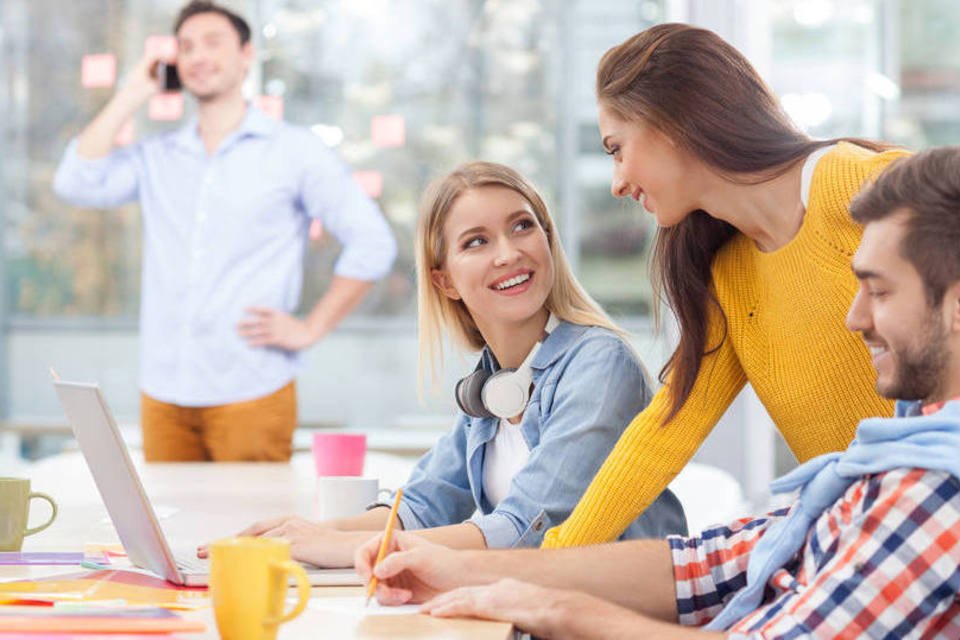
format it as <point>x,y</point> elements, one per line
<point>404,90</point>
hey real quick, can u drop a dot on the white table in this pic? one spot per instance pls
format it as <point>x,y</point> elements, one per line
<point>198,502</point>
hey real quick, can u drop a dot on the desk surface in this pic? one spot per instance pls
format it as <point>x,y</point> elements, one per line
<point>198,502</point>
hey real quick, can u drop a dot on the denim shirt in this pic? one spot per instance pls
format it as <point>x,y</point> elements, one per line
<point>587,386</point>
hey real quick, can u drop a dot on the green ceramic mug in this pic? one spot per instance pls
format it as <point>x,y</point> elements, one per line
<point>15,496</point>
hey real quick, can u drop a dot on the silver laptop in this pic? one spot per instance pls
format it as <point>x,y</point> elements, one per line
<point>128,505</point>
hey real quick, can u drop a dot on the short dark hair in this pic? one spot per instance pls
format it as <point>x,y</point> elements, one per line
<point>927,187</point>
<point>204,6</point>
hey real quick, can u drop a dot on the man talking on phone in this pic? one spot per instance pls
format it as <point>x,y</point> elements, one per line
<point>226,201</point>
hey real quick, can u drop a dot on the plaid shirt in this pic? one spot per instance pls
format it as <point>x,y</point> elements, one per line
<point>883,562</point>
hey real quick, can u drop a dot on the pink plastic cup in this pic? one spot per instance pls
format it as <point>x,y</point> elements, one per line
<point>339,454</point>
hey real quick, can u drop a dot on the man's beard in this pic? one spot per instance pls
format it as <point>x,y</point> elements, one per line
<point>919,372</point>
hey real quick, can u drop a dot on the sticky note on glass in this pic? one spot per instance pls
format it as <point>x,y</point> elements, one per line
<point>125,135</point>
<point>165,106</point>
<point>271,105</point>
<point>157,46</point>
<point>370,181</point>
<point>388,130</point>
<point>316,230</point>
<point>98,70</point>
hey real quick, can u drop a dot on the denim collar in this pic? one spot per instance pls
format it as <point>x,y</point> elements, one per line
<point>907,408</point>
<point>556,344</point>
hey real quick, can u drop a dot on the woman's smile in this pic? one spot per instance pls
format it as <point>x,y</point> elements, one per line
<point>514,284</point>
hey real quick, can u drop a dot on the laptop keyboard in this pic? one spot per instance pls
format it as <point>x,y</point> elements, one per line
<point>192,565</point>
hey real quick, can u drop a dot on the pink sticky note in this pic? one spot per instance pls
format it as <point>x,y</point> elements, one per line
<point>370,181</point>
<point>271,105</point>
<point>166,106</point>
<point>157,46</point>
<point>316,230</point>
<point>125,135</point>
<point>98,70</point>
<point>388,130</point>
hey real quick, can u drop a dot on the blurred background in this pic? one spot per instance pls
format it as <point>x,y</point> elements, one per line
<point>403,90</point>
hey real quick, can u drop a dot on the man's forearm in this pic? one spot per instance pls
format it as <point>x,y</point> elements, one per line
<point>341,298</point>
<point>574,615</point>
<point>97,139</point>
<point>371,520</point>
<point>637,574</point>
<point>464,535</point>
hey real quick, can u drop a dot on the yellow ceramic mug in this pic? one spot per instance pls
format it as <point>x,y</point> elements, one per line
<point>248,586</point>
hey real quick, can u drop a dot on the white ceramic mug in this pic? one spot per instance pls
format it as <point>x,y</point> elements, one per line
<point>344,496</point>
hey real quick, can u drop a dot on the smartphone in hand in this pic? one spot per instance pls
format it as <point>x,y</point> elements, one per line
<point>168,77</point>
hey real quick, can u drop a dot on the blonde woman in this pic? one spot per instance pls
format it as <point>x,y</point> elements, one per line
<point>493,276</point>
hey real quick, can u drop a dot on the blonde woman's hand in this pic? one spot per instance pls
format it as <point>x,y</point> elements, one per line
<point>311,542</point>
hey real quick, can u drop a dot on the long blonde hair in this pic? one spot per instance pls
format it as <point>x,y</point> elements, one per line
<point>567,300</point>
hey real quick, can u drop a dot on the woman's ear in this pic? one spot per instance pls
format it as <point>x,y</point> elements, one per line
<point>442,282</point>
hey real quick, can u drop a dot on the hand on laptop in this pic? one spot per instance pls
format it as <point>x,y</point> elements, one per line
<point>310,542</point>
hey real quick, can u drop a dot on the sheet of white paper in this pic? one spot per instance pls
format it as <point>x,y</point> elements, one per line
<point>355,605</point>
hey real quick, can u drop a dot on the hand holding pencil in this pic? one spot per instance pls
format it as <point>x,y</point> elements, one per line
<point>384,543</point>
<point>410,569</point>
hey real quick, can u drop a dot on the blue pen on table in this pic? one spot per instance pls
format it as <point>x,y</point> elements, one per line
<point>90,564</point>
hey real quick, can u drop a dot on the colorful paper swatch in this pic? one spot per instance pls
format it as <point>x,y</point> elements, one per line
<point>130,586</point>
<point>50,557</point>
<point>108,548</point>
<point>93,620</point>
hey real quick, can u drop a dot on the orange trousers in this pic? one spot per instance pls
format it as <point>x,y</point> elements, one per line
<point>260,429</point>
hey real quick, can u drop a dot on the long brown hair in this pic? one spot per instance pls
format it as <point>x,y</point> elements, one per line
<point>436,312</point>
<point>705,96</point>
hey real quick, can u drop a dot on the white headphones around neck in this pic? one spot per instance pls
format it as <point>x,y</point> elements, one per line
<point>503,394</point>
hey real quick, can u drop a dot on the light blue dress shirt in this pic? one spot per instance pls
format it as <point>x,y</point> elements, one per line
<point>223,232</point>
<point>588,384</point>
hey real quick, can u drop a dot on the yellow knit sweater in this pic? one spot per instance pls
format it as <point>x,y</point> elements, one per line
<point>785,313</point>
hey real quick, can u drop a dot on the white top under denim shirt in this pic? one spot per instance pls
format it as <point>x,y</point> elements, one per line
<point>223,232</point>
<point>503,458</point>
<point>588,385</point>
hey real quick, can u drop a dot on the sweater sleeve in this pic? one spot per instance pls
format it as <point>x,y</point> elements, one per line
<point>649,454</point>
